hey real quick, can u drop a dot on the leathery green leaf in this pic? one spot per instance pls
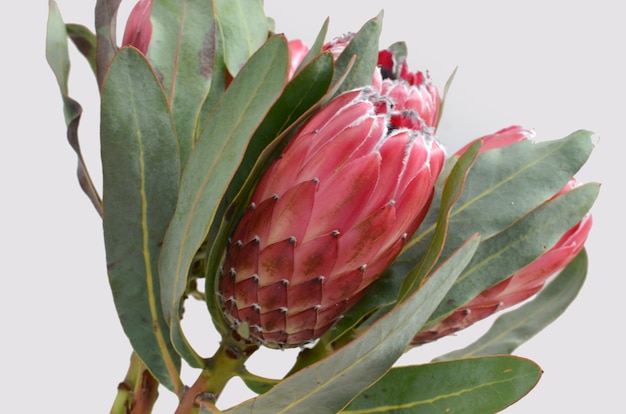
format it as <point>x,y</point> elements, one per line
<point>85,42</point>
<point>503,185</point>
<point>57,55</point>
<point>213,162</point>
<point>330,384</point>
<point>182,50</point>
<point>140,178</point>
<point>106,39</point>
<point>363,48</point>
<point>514,328</point>
<point>244,28</point>
<point>316,47</point>
<point>474,385</point>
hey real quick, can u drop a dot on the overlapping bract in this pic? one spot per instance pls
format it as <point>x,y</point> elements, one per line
<point>331,214</point>
<point>525,282</point>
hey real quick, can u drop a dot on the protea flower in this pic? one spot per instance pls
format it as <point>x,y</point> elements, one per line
<point>525,282</point>
<point>330,215</point>
<point>138,30</point>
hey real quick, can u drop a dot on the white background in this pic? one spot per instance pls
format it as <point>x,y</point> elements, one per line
<point>555,66</point>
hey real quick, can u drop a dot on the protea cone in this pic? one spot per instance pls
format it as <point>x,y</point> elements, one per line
<point>331,214</point>
<point>138,30</point>
<point>525,282</point>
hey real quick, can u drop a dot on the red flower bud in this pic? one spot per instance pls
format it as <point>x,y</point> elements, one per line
<point>330,215</point>
<point>525,282</point>
<point>138,29</point>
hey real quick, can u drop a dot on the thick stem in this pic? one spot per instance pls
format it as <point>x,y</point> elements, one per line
<point>138,392</point>
<point>229,358</point>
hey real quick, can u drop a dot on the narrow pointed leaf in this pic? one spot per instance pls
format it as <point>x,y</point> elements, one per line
<point>332,383</point>
<point>85,42</point>
<point>182,51</point>
<point>258,384</point>
<point>474,385</point>
<point>106,41</point>
<point>316,47</point>
<point>57,56</point>
<point>140,178</point>
<point>446,89</point>
<point>514,328</point>
<point>363,47</point>
<point>244,28</point>
<point>219,81</point>
<point>212,164</point>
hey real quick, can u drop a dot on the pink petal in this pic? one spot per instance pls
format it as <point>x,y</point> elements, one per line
<point>362,243</point>
<point>341,287</point>
<point>291,214</point>
<point>343,147</point>
<point>276,263</point>
<point>342,197</point>
<point>315,258</point>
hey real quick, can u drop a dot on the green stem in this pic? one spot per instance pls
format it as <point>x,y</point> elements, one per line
<point>138,392</point>
<point>219,369</point>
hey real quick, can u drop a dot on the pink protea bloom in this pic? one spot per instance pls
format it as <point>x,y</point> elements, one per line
<point>527,281</point>
<point>328,217</point>
<point>138,30</point>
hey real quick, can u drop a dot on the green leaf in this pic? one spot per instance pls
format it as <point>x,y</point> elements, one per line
<point>58,58</point>
<point>182,50</point>
<point>258,384</point>
<point>475,385</point>
<point>444,97</point>
<point>213,162</point>
<point>363,47</point>
<point>332,383</point>
<point>219,81</point>
<point>244,28</point>
<point>503,185</point>
<point>140,178</point>
<point>501,255</point>
<point>316,47</point>
<point>106,43</point>
<point>85,42</point>
<point>514,328</point>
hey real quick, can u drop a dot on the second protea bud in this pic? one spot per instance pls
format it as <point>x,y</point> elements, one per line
<point>528,280</point>
<point>329,216</point>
